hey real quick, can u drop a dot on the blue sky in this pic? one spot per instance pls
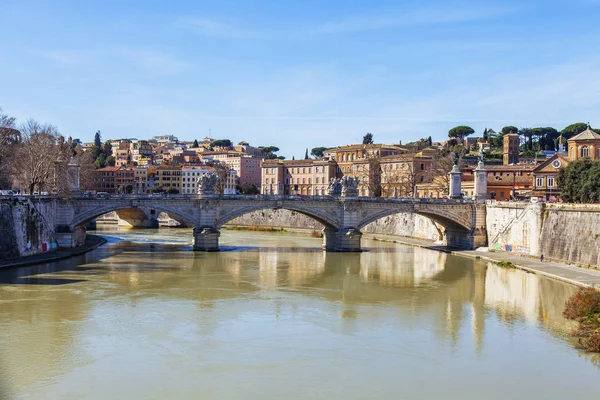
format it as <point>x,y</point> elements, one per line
<point>299,74</point>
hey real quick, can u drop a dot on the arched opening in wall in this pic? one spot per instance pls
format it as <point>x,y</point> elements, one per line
<point>127,217</point>
<point>420,225</point>
<point>276,218</point>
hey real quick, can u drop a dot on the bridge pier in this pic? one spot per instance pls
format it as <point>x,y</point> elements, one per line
<point>343,240</point>
<point>68,237</point>
<point>206,238</point>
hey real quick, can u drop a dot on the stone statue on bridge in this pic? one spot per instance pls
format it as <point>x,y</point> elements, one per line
<point>335,187</point>
<point>207,183</point>
<point>349,186</point>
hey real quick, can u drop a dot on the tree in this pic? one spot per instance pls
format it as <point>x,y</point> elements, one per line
<point>98,139</point>
<point>443,162</point>
<point>546,137</point>
<point>110,161</point>
<point>281,157</point>
<point>40,158</point>
<point>460,132</point>
<point>223,143</point>
<point>527,135</point>
<point>249,188</point>
<point>574,129</point>
<point>368,138</point>
<point>9,136</point>
<point>107,149</point>
<point>317,152</point>
<point>195,145</point>
<point>485,134</point>
<point>306,154</point>
<point>222,172</point>
<point>509,129</point>
<point>403,179</point>
<point>86,168</point>
<point>269,151</point>
<point>580,181</point>
<point>100,161</point>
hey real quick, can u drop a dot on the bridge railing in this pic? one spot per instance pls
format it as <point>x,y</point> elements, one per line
<point>263,197</point>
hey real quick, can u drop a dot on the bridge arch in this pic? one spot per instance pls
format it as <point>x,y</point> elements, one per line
<point>446,219</point>
<point>87,215</point>
<point>327,220</point>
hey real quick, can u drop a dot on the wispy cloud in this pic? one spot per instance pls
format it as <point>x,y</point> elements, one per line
<point>150,61</point>
<point>153,61</point>
<point>214,28</point>
<point>424,16</point>
<point>62,57</point>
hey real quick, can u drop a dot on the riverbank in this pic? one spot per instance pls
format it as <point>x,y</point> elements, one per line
<point>556,270</point>
<point>91,242</point>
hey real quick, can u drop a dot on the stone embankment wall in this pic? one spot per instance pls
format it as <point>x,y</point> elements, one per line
<point>569,232</point>
<point>401,224</point>
<point>24,227</point>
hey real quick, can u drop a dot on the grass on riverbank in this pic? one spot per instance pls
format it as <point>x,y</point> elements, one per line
<point>584,307</point>
<point>506,264</point>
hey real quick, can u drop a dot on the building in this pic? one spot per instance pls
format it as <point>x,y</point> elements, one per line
<point>189,178</point>
<point>346,154</point>
<point>168,177</point>
<point>140,150</point>
<point>586,144</point>
<point>88,146</point>
<point>355,160</point>
<point>505,182</point>
<point>165,139</point>
<point>301,177</point>
<point>401,173</point>
<point>510,149</point>
<point>114,180</point>
<point>144,179</point>
<point>247,168</point>
<point>545,177</point>
<point>244,147</point>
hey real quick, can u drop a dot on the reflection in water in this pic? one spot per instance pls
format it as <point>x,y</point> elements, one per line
<point>281,318</point>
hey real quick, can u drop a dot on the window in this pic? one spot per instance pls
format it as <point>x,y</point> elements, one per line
<point>550,181</point>
<point>539,181</point>
<point>585,151</point>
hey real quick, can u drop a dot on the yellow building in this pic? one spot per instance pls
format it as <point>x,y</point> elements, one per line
<point>586,144</point>
<point>169,177</point>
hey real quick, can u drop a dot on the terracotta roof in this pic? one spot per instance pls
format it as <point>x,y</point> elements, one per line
<point>108,169</point>
<point>588,134</point>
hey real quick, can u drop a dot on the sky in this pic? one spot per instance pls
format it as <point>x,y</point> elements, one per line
<point>299,74</point>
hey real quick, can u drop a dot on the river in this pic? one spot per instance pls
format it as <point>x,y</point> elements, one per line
<point>274,317</point>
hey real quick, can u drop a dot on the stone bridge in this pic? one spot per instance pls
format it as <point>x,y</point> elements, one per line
<point>343,217</point>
